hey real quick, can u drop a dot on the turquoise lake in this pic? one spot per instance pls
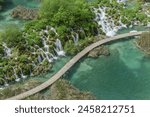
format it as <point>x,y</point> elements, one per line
<point>122,75</point>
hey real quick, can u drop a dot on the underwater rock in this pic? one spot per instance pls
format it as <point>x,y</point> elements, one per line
<point>102,50</point>
<point>63,89</point>
<point>24,13</point>
<point>144,42</point>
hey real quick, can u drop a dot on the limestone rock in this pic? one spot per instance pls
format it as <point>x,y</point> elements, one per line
<point>24,13</point>
<point>102,50</point>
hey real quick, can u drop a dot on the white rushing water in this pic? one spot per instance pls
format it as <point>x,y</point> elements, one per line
<point>59,50</point>
<point>106,22</point>
<point>17,79</point>
<point>7,50</point>
<point>75,37</point>
<point>121,1</point>
<point>44,52</point>
<point>22,75</point>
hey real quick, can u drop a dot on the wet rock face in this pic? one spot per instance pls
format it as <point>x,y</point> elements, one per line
<point>102,50</point>
<point>24,13</point>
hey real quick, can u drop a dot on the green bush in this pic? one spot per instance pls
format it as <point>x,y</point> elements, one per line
<point>12,36</point>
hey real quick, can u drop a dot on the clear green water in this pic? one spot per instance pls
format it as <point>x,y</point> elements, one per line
<point>122,75</point>
<point>6,19</point>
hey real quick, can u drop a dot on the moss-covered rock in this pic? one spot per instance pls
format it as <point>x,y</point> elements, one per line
<point>144,42</point>
<point>24,13</point>
<point>63,90</point>
<point>102,50</point>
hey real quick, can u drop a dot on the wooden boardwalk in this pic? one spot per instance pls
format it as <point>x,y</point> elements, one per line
<point>68,65</point>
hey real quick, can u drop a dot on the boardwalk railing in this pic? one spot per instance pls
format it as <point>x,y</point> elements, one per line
<point>68,65</point>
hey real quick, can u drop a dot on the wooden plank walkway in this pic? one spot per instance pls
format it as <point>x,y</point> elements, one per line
<point>68,65</point>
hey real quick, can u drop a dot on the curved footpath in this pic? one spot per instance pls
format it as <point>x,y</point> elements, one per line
<point>70,64</point>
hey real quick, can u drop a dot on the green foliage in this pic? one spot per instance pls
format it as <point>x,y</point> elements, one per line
<point>12,36</point>
<point>1,1</point>
<point>68,15</point>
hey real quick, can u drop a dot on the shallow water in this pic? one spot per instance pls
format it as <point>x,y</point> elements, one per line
<point>6,19</point>
<point>123,75</point>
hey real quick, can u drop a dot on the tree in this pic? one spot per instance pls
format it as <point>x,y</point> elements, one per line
<point>73,14</point>
<point>12,36</point>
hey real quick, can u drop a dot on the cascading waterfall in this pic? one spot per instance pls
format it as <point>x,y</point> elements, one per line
<point>59,49</point>
<point>51,29</point>
<point>17,79</point>
<point>22,75</point>
<point>40,59</point>
<point>121,1</point>
<point>43,53</point>
<point>7,50</point>
<point>107,23</point>
<point>49,56</point>
<point>75,37</point>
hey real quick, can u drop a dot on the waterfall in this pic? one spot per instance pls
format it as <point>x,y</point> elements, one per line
<point>107,23</point>
<point>6,84</point>
<point>75,38</point>
<point>42,53</point>
<point>48,57</point>
<point>7,50</point>
<point>148,25</point>
<point>54,57</point>
<point>22,75</point>
<point>15,74</point>
<point>59,49</point>
<point>121,1</point>
<point>46,47</point>
<point>40,59</point>
<point>51,29</point>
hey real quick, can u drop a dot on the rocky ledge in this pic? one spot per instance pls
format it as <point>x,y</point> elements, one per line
<point>24,13</point>
<point>101,50</point>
